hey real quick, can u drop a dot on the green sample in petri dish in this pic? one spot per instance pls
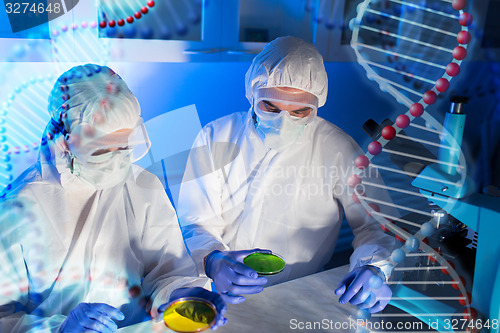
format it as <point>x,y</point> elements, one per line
<point>189,314</point>
<point>265,263</point>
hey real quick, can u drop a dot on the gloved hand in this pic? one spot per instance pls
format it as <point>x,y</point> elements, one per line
<point>215,298</point>
<point>364,287</point>
<point>231,277</point>
<point>92,317</point>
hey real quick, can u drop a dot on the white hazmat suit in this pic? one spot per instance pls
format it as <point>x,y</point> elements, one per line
<point>77,235</point>
<point>239,193</point>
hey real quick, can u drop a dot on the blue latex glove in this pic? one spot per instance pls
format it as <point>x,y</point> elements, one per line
<point>364,287</point>
<point>215,298</point>
<point>92,317</point>
<point>231,277</point>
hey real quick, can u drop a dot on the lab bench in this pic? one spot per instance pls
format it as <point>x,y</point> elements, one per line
<point>306,304</point>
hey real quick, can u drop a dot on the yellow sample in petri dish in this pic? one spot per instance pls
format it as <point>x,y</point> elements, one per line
<point>189,314</point>
<point>265,263</point>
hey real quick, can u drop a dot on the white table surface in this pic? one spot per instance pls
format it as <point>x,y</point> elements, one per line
<point>287,307</point>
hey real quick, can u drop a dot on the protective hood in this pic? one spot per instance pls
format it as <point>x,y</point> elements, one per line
<point>91,110</point>
<point>288,62</point>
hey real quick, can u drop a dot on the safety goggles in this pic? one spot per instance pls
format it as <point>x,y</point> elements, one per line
<point>287,95</point>
<point>267,110</point>
<point>85,140</point>
<point>274,103</point>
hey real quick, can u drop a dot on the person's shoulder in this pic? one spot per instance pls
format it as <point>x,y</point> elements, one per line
<point>334,143</point>
<point>144,178</point>
<point>328,132</point>
<point>23,182</point>
<point>233,119</point>
<point>146,187</point>
<point>224,128</point>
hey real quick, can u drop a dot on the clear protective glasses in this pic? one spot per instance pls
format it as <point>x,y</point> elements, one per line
<point>268,110</point>
<point>271,104</point>
<point>86,141</point>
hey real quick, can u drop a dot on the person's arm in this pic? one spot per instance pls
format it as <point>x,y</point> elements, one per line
<point>364,284</point>
<point>167,263</point>
<point>202,218</point>
<point>18,312</point>
<point>200,208</point>
<point>371,245</point>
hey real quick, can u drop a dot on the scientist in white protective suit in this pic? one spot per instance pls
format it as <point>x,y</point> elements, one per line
<point>275,178</point>
<point>90,242</point>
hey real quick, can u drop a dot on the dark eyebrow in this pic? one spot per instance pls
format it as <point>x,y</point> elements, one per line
<point>270,104</point>
<point>298,110</point>
<point>302,110</point>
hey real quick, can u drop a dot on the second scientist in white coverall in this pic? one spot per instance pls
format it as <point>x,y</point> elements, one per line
<point>276,177</point>
<point>86,236</point>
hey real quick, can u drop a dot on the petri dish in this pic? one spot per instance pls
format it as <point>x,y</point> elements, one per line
<point>265,263</point>
<point>190,314</point>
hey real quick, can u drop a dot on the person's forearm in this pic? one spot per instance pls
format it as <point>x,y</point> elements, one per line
<point>200,244</point>
<point>21,323</point>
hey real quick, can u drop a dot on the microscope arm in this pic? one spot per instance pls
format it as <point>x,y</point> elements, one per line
<point>467,210</point>
<point>481,213</point>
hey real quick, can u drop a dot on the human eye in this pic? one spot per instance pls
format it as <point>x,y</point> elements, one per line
<point>270,107</point>
<point>100,152</point>
<point>301,112</point>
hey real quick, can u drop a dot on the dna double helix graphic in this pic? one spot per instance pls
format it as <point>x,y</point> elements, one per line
<point>412,50</point>
<point>148,19</point>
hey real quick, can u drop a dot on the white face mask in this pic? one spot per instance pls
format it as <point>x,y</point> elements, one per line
<point>105,170</point>
<point>280,130</point>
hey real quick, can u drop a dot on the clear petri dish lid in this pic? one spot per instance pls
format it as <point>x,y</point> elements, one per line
<point>265,263</point>
<point>190,314</point>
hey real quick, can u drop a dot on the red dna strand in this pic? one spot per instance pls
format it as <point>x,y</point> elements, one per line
<point>413,49</point>
<point>122,12</point>
<point>148,19</point>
